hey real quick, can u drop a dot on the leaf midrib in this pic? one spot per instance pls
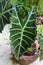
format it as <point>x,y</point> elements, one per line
<point>23,31</point>
<point>20,42</point>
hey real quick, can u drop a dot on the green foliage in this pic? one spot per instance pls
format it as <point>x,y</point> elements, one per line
<point>40,29</point>
<point>41,46</point>
<point>40,37</point>
<point>40,8</point>
<point>21,32</point>
<point>7,4</point>
<point>28,4</point>
<point>1,0</point>
<point>5,13</point>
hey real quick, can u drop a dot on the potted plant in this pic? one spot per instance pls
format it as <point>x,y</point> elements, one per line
<point>22,18</point>
<point>23,36</point>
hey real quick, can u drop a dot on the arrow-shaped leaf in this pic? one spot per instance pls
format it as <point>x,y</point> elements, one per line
<point>22,36</point>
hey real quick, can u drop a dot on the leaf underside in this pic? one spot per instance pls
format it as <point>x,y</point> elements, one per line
<point>22,33</point>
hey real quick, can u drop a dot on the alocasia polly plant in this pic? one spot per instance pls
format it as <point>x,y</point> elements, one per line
<point>5,13</point>
<point>22,33</point>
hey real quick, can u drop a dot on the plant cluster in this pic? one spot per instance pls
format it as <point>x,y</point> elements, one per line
<point>5,5</point>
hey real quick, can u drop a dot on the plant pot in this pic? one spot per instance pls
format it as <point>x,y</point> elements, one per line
<point>29,59</point>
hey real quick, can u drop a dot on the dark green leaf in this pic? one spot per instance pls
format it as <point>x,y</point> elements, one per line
<point>5,13</point>
<point>22,34</point>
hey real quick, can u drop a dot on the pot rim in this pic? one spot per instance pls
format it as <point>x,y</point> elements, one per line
<point>32,57</point>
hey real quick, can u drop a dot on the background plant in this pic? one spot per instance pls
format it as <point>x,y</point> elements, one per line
<point>27,5</point>
<point>40,7</point>
<point>40,37</point>
<point>5,13</point>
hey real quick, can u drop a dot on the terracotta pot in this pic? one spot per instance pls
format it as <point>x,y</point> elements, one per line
<point>29,59</point>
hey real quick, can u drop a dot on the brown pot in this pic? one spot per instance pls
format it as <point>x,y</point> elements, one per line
<point>26,60</point>
<point>29,60</point>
